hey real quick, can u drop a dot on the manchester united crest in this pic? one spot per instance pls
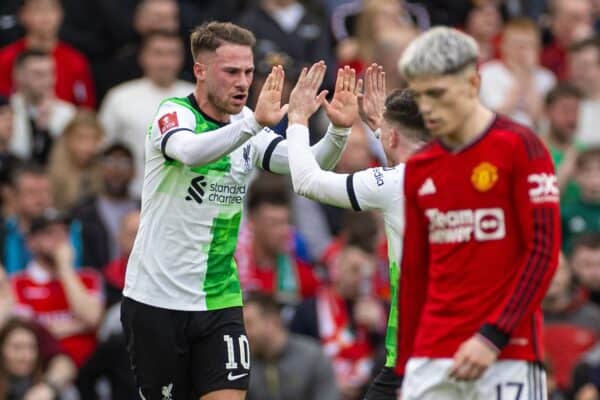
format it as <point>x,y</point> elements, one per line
<point>484,176</point>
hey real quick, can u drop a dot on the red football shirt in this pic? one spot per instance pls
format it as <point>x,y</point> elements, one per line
<point>481,245</point>
<point>73,77</point>
<point>42,297</point>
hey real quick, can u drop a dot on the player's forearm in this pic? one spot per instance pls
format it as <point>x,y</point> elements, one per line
<point>308,179</point>
<point>84,305</point>
<point>201,149</point>
<point>328,150</point>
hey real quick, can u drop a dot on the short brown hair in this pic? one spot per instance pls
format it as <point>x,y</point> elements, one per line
<point>560,91</point>
<point>584,44</point>
<point>211,35</point>
<point>586,156</point>
<point>401,108</point>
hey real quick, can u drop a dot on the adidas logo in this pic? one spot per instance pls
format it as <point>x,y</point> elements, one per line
<point>427,187</point>
<point>196,189</point>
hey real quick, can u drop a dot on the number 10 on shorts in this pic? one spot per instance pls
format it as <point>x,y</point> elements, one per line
<point>244,352</point>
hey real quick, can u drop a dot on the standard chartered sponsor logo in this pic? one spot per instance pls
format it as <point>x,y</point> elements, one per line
<point>220,193</point>
<point>456,226</point>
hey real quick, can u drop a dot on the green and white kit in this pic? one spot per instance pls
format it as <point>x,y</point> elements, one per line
<point>182,258</point>
<point>378,188</point>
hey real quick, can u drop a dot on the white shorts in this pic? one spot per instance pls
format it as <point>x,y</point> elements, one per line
<point>427,379</point>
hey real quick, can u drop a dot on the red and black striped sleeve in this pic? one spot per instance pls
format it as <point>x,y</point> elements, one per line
<point>536,199</point>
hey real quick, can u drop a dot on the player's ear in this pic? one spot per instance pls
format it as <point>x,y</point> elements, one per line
<point>475,81</point>
<point>200,71</point>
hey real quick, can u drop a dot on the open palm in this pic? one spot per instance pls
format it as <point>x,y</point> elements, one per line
<point>268,110</point>
<point>343,108</point>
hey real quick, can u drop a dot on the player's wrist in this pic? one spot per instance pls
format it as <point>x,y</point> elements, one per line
<point>493,337</point>
<point>294,119</point>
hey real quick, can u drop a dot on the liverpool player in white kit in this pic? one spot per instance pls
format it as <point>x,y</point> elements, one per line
<point>181,310</point>
<point>482,237</point>
<point>400,125</point>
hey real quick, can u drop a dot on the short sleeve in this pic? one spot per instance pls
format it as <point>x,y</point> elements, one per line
<point>170,119</point>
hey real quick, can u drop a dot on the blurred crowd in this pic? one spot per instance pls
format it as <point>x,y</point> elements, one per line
<point>80,82</point>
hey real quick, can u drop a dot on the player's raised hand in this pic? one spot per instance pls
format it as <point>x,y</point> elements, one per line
<point>268,110</point>
<point>304,100</point>
<point>472,358</point>
<point>371,103</point>
<point>343,109</point>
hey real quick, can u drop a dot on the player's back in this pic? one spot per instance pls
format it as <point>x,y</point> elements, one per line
<point>470,204</point>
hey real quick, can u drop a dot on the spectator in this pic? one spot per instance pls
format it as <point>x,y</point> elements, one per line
<point>516,84</point>
<point>562,110</point>
<point>583,214</point>
<point>39,117</point>
<point>287,31</point>
<point>484,24</point>
<point>586,376</point>
<point>21,369</point>
<point>114,272</point>
<point>128,107</point>
<point>366,230</point>
<point>348,322</point>
<point>59,369</point>
<point>8,161</point>
<point>266,254</point>
<point>68,303</point>
<point>584,60</point>
<point>284,366</point>
<point>74,169</point>
<point>101,215</point>
<point>571,20</point>
<point>149,16</point>
<point>41,20</point>
<point>567,315</point>
<point>378,20</point>
<point>585,261</point>
<point>388,50</point>
<point>30,187</point>
<point>565,303</point>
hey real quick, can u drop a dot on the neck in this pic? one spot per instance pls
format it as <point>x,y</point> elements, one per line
<point>45,43</point>
<point>208,107</point>
<point>262,256</point>
<point>558,141</point>
<point>277,342</point>
<point>474,125</point>
<point>161,83</point>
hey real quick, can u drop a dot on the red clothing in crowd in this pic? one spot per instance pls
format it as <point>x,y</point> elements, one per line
<point>42,297</point>
<point>554,57</point>
<point>73,77</point>
<point>482,245</point>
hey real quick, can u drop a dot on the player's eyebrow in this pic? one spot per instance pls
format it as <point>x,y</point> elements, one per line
<point>237,69</point>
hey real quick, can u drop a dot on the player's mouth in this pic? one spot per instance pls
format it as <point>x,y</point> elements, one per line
<point>432,123</point>
<point>240,98</point>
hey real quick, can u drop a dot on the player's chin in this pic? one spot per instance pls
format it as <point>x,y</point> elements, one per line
<point>236,107</point>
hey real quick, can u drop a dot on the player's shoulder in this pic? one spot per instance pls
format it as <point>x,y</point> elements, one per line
<point>428,151</point>
<point>518,136</point>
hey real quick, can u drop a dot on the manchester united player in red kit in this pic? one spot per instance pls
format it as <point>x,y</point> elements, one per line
<point>482,237</point>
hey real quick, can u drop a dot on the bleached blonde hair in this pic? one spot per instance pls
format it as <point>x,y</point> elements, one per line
<point>438,51</point>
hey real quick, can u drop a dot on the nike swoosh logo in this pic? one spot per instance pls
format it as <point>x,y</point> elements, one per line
<point>232,377</point>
